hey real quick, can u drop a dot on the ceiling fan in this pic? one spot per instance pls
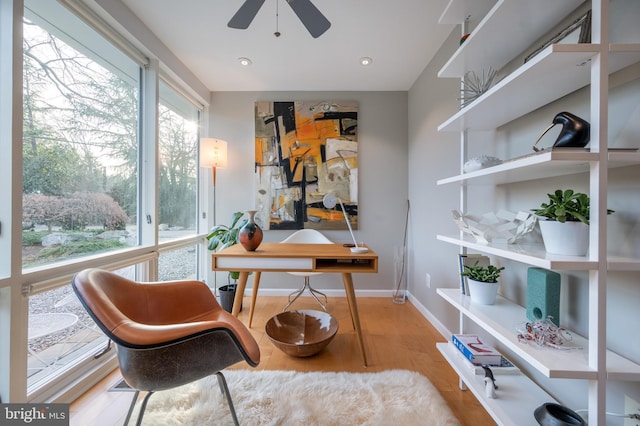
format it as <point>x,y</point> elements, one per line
<point>311,17</point>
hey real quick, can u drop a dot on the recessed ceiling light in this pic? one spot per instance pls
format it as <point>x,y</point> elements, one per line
<point>366,61</point>
<point>245,62</point>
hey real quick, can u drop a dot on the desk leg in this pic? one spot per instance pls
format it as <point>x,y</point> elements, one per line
<point>353,307</point>
<point>254,295</point>
<point>237,301</point>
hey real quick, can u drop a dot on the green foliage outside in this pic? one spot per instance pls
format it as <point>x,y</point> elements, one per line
<point>81,135</point>
<point>73,212</point>
<point>33,238</point>
<point>75,248</point>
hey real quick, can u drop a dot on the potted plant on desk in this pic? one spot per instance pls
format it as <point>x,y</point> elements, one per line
<point>221,237</point>
<point>566,228</point>
<point>483,282</point>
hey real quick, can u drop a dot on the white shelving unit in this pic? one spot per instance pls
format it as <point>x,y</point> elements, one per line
<point>517,392</point>
<point>511,25</point>
<point>554,72</point>
<point>503,318</point>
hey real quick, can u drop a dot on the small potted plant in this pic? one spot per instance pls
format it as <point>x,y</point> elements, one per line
<point>221,237</point>
<point>483,282</point>
<point>565,229</point>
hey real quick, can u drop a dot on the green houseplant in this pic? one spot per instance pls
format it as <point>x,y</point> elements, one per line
<point>484,274</point>
<point>566,228</point>
<point>483,282</point>
<point>221,237</point>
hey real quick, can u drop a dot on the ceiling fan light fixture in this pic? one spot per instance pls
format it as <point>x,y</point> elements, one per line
<point>313,20</point>
<point>245,62</point>
<point>365,61</point>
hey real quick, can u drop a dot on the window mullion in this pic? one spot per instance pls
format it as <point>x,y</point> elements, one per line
<point>149,152</point>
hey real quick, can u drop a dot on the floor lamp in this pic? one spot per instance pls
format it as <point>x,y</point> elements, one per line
<point>213,153</point>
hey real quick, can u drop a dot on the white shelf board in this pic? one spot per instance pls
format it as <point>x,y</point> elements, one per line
<point>622,158</point>
<point>458,11</point>
<point>501,321</point>
<point>527,88</point>
<point>625,48</point>
<point>516,394</point>
<point>534,166</point>
<point>510,24</point>
<point>533,254</point>
<point>558,162</point>
<point>623,264</point>
<point>623,55</point>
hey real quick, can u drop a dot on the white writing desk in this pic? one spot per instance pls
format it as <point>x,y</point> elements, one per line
<point>277,257</point>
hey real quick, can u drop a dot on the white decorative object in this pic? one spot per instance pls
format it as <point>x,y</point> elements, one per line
<point>501,227</point>
<point>489,388</point>
<point>481,162</point>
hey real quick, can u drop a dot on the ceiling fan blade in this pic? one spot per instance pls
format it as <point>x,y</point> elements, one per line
<point>245,14</point>
<point>311,17</point>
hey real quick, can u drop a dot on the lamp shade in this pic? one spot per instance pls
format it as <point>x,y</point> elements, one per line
<point>213,153</point>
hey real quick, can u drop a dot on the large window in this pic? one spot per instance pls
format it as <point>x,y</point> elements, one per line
<point>80,141</point>
<point>178,122</point>
<point>80,192</point>
<point>178,174</point>
<point>110,180</point>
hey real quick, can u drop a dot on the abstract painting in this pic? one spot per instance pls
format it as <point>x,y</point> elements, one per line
<point>305,150</point>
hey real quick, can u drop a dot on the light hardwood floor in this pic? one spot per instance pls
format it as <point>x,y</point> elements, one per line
<point>396,336</point>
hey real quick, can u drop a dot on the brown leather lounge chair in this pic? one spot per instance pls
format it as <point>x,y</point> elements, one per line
<point>167,334</point>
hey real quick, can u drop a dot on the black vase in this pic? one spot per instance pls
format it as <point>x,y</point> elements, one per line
<point>250,235</point>
<point>551,414</point>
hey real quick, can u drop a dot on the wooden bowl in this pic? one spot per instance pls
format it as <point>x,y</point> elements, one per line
<point>301,333</point>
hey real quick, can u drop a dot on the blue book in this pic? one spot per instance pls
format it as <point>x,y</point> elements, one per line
<point>479,353</point>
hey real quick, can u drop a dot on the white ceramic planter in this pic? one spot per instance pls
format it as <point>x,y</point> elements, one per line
<point>483,293</point>
<point>569,238</point>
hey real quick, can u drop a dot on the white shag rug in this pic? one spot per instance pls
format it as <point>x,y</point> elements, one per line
<point>393,397</point>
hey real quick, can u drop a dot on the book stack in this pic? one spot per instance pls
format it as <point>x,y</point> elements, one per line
<point>505,367</point>
<point>477,352</point>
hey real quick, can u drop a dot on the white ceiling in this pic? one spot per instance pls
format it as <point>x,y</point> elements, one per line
<point>400,35</point>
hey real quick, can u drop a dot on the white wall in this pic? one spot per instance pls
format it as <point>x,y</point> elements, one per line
<point>382,173</point>
<point>434,155</point>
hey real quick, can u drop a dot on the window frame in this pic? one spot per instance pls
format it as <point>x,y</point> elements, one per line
<point>17,284</point>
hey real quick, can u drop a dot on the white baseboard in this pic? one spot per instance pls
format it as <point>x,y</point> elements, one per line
<point>430,317</point>
<point>328,292</point>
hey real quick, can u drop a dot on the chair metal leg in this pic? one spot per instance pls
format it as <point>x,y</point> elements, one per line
<point>313,293</point>
<point>222,382</point>
<point>133,404</point>
<point>143,407</point>
<point>298,294</point>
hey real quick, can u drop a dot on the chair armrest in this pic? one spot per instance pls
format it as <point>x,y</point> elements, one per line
<point>136,335</point>
<point>142,336</point>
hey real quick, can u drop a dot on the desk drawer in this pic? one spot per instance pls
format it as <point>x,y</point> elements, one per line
<point>264,263</point>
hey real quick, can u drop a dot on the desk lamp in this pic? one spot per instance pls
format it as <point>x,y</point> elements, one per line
<point>330,201</point>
